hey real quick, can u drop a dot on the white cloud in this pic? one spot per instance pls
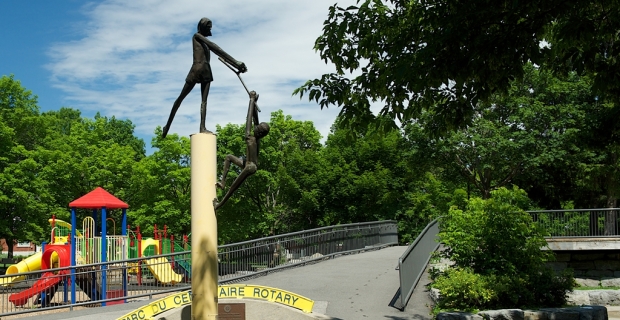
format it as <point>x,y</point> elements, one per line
<point>133,56</point>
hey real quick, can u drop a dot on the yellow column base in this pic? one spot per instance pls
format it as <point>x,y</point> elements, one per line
<point>204,226</point>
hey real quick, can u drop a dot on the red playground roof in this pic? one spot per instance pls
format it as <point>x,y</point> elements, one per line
<point>98,198</point>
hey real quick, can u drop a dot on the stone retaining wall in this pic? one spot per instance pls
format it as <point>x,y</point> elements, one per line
<point>576,313</point>
<point>589,264</point>
<point>598,297</point>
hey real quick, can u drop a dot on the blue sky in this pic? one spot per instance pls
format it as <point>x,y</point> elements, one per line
<point>130,58</point>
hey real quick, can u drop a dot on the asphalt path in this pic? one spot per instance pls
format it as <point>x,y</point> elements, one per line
<point>356,286</point>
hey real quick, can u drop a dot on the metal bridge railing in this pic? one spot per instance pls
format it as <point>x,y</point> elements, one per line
<point>413,262</point>
<point>578,222</point>
<point>250,258</point>
<point>156,276</point>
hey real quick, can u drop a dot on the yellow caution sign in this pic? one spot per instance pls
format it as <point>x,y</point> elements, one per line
<point>238,291</point>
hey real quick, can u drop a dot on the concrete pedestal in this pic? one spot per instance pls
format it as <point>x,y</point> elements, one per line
<point>204,226</point>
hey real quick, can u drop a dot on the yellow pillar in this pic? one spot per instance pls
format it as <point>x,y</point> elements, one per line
<point>204,226</point>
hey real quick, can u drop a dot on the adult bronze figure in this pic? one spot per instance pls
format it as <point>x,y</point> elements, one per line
<point>248,163</point>
<point>201,71</point>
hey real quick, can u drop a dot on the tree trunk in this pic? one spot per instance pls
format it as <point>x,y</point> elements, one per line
<point>10,243</point>
<point>610,217</point>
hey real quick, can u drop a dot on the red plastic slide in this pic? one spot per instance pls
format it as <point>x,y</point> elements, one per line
<point>47,280</point>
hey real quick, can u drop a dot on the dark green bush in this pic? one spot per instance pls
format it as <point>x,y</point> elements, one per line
<point>498,258</point>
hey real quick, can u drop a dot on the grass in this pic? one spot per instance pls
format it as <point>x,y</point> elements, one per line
<point>597,288</point>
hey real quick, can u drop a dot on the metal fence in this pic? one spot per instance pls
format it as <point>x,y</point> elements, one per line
<point>578,222</point>
<point>413,262</point>
<point>127,280</point>
<point>240,260</point>
<point>155,276</point>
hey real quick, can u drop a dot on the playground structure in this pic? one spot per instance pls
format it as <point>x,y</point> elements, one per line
<point>160,267</point>
<point>96,264</point>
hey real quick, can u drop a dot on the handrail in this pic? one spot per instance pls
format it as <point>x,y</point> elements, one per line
<point>578,223</point>
<point>338,226</point>
<point>413,262</point>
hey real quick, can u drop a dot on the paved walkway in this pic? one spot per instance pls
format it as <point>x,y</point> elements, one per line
<point>356,286</point>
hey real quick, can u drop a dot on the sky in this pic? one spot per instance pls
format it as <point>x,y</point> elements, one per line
<point>129,59</point>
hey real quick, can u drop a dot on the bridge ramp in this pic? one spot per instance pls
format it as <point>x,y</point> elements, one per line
<point>357,286</point>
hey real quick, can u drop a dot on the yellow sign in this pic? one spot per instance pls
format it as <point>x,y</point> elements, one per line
<point>238,291</point>
<point>241,291</point>
<point>159,306</point>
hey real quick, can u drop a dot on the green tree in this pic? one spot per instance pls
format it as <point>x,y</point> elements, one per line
<point>79,154</point>
<point>447,56</point>
<point>118,131</point>
<point>364,179</point>
<point>23,192</point>
<point>23,201</point>
<point>160,186</point>
<point>535,127</point>
<point>599,171</point>
<point>424,199</point>
<point>376,176</point>
<point>20,111</point>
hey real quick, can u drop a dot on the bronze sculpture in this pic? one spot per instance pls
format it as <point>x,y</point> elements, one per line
<point>201,71</point>
<point>248,163</point>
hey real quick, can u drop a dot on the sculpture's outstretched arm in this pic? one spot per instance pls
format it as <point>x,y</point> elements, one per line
<point>255,112</point>
<point>221,53</point>
<point>252,114</point>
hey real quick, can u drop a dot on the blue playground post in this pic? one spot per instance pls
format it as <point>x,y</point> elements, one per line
<point>104,258</point>
<point>124,234</point>
<point>73,251</point>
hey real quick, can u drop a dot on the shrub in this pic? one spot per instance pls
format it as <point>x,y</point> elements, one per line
<point>461,289</point>
<point>497,253</point>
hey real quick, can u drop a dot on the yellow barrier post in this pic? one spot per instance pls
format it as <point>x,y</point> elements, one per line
<point>204,226</point>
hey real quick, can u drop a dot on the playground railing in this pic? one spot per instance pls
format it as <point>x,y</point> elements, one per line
<point>156,276</point>
<point>578,222</point>
<point>95,284</point>
<point>90,249</point>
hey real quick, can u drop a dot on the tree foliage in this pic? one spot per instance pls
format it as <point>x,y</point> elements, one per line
<point>449,56</point>
<point>49,159</point>
<point>160,186</point>
<point>554,137</point>
<point>24,195</point>
<point>533,129</point>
